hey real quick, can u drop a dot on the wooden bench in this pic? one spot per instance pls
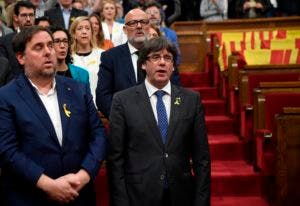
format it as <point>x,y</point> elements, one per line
<point>249,79</point>
<point>269,105</point>
<point>231,24</point>
<point>287,156</point>
<point>194,37</point>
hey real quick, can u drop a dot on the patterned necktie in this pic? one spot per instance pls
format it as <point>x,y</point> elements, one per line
<point>161,115</point>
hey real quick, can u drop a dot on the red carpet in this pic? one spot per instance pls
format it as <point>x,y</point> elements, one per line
<point>234,183</point>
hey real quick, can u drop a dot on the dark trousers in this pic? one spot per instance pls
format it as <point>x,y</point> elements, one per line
<point>166,200</point>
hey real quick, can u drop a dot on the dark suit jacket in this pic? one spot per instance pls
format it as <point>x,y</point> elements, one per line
<point>6,50</point>
<point>29,145</point>
<point>259,12</point>
<point>56,18</point>
<point>139,162</point>
<point>117,73</point>
<point>5,71</point>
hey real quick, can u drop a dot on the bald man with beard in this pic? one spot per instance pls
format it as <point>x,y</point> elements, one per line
<point>118,68</point>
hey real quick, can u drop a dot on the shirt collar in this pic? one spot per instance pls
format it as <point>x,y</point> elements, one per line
<point>51,91</point>
<point>152,89</point>
<point>132,49</point>
<point>65,9</point>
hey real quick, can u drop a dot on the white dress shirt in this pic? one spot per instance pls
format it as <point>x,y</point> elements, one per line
<point>50,102</point>
<point>153,99</point>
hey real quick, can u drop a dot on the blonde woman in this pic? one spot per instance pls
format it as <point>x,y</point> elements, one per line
<point>111,29</point>
<point>85,52</point>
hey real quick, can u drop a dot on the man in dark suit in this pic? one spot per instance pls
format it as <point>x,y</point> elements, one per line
<point>24,16</point>
<point>118,68</point>
<point>156,129</point>
<point>63,14</point>
<point>51,137</point>
<point>5,71</point>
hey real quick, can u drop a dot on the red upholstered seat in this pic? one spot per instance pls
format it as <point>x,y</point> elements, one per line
<point>265,149</point>
<point>246,114</point>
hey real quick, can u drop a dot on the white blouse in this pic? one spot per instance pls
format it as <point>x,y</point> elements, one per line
<point>118,36</point>
<point>91,63</point>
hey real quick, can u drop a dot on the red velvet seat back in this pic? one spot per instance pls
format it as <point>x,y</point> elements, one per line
<point>274,103</point>
<point>255,79</point>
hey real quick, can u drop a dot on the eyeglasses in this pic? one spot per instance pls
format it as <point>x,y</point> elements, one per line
<point>134,23</point>
<point>31,16</point>
<point>58,41</point>
<point>156,58</point>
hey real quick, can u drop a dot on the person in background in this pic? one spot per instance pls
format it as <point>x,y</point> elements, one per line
<point>63,14</point>
<point>150,146</point>
<point>252,8</point>
<point>102,43</point>
<point>171,9</point>
<point>52,140</point>
<point>153,32</point>
<point>42,21</point>
<point>214,10</point>
<point>4,30</point>
<point>41,6</point>
<point>118,68</point>
<point>120,13</point>
<point>5,72</point>
<point>77,4</point>
<point>153,9</point>
<point>85,52</point>
<point>112,30</point>
<point>61,43</point>
<point>24,17</point>
<point>10,21</point>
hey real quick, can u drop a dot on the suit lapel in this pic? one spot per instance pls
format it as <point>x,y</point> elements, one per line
<point>177,102</point>
<point>60,18</point>
<point>33,101</point>
<point>128,63</point>
<point>143,102</point>
<point>65,105</point>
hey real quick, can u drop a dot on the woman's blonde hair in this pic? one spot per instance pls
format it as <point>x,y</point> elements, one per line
<point>102,7</point>
<point>72,33</point>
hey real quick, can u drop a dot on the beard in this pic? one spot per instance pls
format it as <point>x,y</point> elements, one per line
<point>137,40</point>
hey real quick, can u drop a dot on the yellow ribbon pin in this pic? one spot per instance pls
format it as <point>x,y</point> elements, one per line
<point>67,112</point>
<point>177,101</point>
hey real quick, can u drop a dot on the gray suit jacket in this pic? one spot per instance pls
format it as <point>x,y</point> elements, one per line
<point>140,164</point>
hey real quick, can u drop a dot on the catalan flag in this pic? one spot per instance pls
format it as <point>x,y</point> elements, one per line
<point>261,47</point>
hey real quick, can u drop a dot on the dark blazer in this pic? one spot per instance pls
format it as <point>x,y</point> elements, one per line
<point>139,162</point>
<point>117,73</point>
<point>56,18</point>
<point>5,71</point>
<point>29,145</point>
<point>259,12</point>
<point>6,50</point>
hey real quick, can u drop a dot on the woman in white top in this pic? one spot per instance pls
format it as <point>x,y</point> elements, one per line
<point>85,53</point>
<point>112,30</point>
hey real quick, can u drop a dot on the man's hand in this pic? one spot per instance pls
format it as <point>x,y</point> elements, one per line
<point>60,190</point>
<point>78,180</point>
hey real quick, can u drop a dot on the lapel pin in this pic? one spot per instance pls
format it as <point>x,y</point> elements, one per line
<point>67,112</point>
<point>177,101</point>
